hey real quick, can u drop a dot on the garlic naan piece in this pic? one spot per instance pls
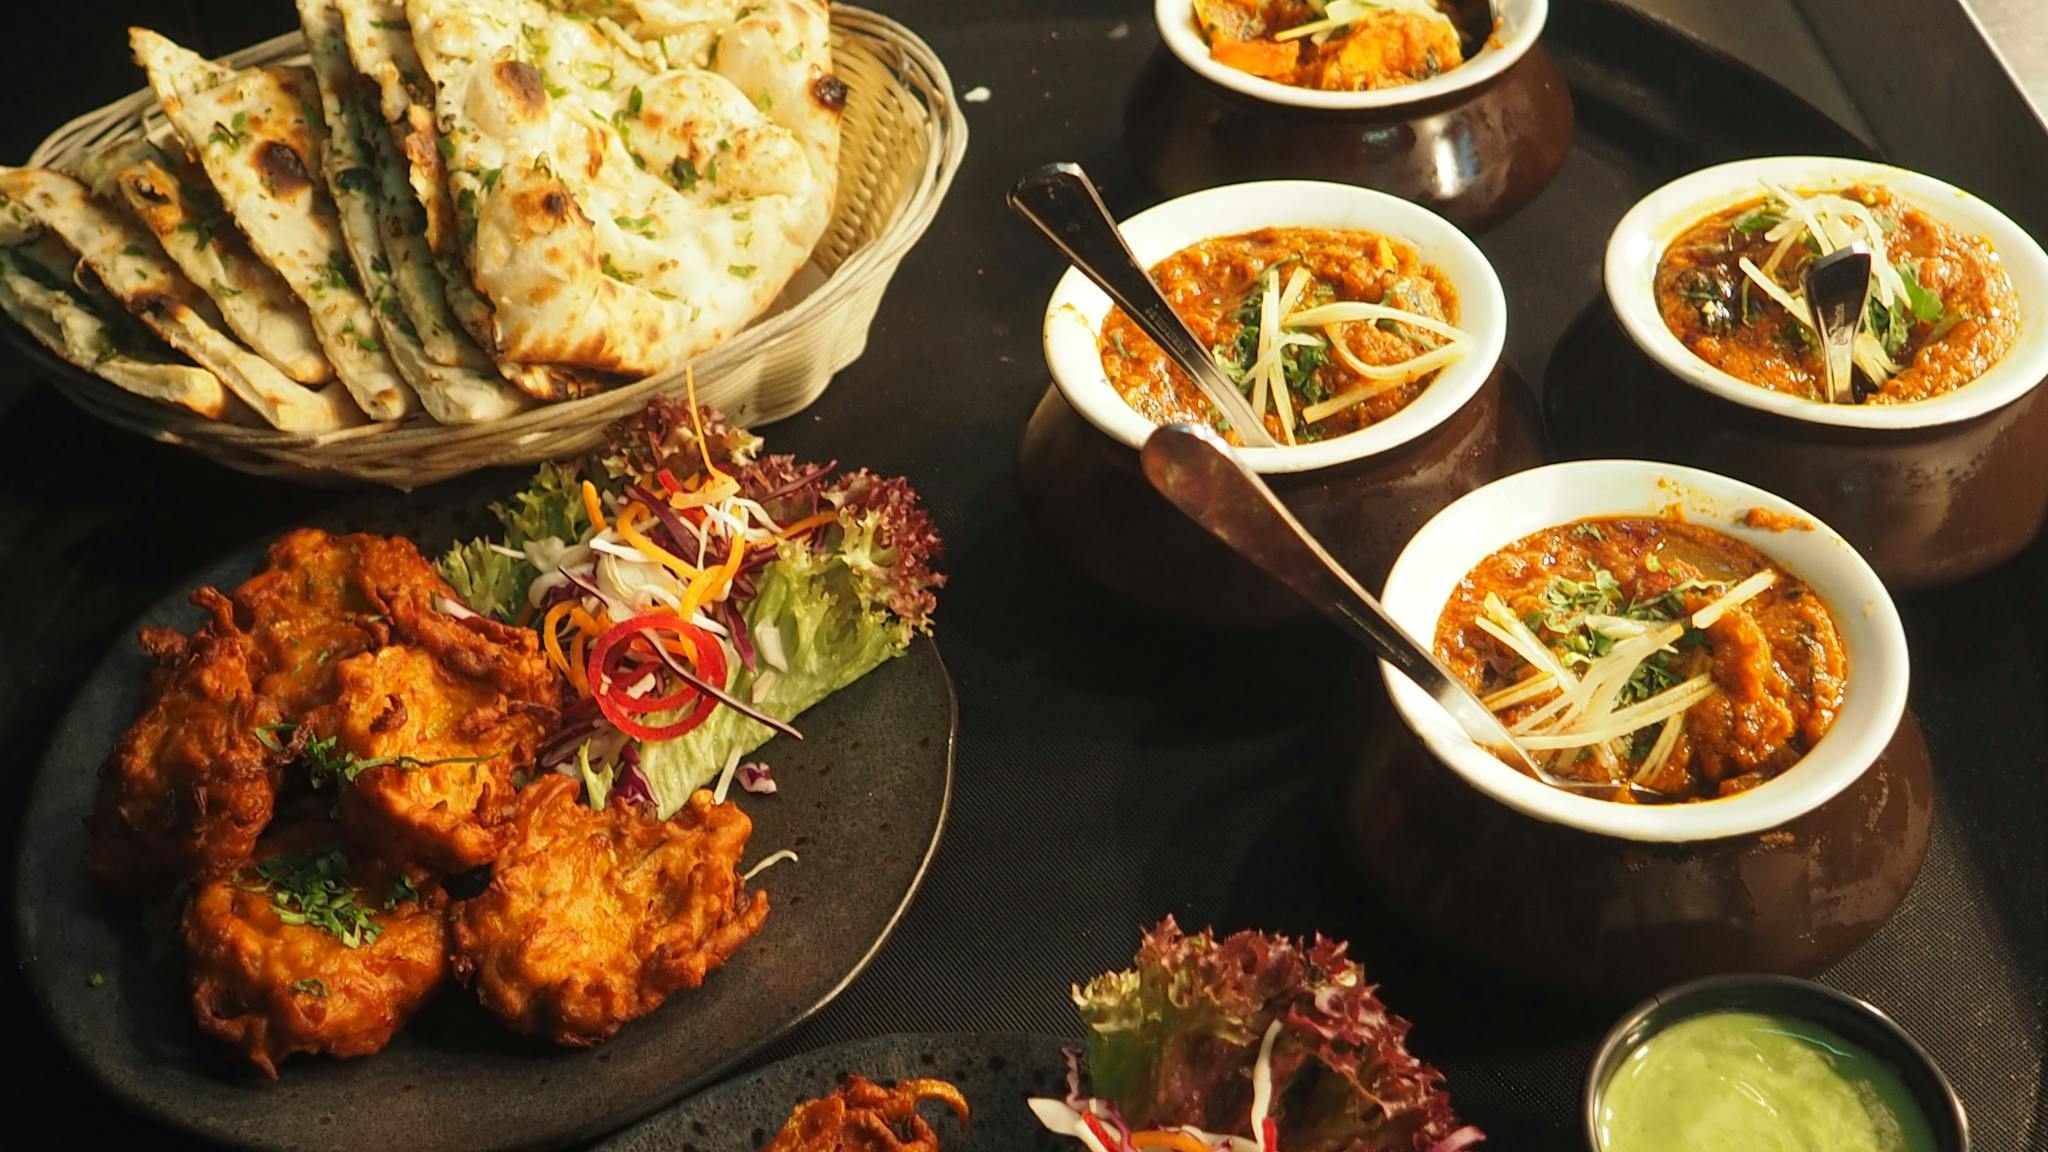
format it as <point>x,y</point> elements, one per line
<point>178,207</point>
<point>258,134</point>
<point>380,44</point>
<point>35,290</point>
<point>18,225</point>
<point>131,266</point>
<point>621,209</point>
<point>450,392</point>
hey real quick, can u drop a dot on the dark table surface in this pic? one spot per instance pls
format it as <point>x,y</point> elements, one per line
<point>1104,780</point>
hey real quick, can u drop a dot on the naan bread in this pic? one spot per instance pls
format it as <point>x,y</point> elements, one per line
<point>178,207</point>
<point>18,225</point>
<point>380,44</point>
<point>34,290</point>
<point>259,136</point>
<point>620,208</point>
<point>129,264</point>
<point>452,393</point>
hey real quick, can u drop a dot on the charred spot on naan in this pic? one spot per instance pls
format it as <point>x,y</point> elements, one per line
<point>282,169</point>
<point>554,382</point>
<point>829,92</point>
<point>149,185</point>
<point>523,86</point>
<point>429,177</point>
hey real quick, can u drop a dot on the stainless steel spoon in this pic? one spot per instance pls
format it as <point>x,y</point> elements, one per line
<point>1195,470</point>
<point>1063,203</point>
<point>1837,288</point>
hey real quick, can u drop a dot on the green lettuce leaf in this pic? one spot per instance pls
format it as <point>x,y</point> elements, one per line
<point>487,580</point>
<point>830,634</point>
<point>549,507</point>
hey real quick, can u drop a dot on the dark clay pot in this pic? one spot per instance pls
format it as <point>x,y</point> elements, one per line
<point>1610,920</point>
<point>1509,137</point>
<point>1926,506</point>
<point>1091,503</point>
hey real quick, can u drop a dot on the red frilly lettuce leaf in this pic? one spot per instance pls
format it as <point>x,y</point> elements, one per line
<point>1173,1040</point>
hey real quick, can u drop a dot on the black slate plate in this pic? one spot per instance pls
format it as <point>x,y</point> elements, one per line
<point>862,801</point>
<point>995,1071</point>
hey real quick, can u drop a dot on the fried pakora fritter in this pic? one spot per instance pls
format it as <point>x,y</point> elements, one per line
<point>311,607</point>
<point>191,784</point>
<point>340,638</point>
<point>193,781</point>
<point>593,918</point>
<point>443,749</point>
<point>429,714</point>
<point>863,1116</point>
<point>310,948</point>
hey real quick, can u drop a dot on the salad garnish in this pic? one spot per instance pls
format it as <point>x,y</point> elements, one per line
<point>1252,1043</point>
<point>698,596</point>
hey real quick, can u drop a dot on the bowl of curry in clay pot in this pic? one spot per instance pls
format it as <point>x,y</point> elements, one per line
<point>1372,94</point>
<point>1365,331</point>
<point>1939,469</point>
<point>1712,683</point>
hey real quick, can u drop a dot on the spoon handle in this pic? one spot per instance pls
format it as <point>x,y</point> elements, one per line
<point>1063,203</point>
<point>1192,467</point>
<point>1837,290</point>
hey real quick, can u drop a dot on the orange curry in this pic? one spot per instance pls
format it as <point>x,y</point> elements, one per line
<point>1765,679</point>
<point>1218,286</point>
<point>1959,314</point>
<point>1291,42</point>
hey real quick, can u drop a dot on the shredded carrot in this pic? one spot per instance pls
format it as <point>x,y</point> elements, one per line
<point>734,557</point>
<point>584,623</point>
<point>593,506</point>
<point>1170,1141</point>
<point>712,583</point>
<point>709,492</point>
<point>577,648</point>
<point>681,645</point>
<point>628,526</point>
<point>815,520</point>
<point>552,642</point>
<point>697,418</point>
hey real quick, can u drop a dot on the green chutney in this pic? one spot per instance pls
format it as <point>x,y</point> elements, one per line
<point>1749,1082</point>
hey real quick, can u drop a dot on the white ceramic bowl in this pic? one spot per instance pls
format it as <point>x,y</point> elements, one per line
<point>1489,518</point>
<point>1520,23</point>
<point>1073,319</point>
<point>1639,241</point>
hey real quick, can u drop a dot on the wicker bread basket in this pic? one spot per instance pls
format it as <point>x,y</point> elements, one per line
<point>902,140</point>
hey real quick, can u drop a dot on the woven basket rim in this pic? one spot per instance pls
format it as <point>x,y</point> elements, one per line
<point>332,453</point>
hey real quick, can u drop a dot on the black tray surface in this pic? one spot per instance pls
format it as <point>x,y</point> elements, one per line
<point>1107,774</point>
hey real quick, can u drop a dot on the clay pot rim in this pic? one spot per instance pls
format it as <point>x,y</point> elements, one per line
<point>1520,24</point>
<point>1488,518</point>
<point>1639,240</point>
<point>1074,315</point>
<point>1861,1021</point>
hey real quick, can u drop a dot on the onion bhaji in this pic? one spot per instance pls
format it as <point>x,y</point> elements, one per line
<point>191,784</point>
<point>436,748</point>
<point>863,1116</point>
<point>343,638</point>
<point>592,918</point>
<point>311,949</point>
